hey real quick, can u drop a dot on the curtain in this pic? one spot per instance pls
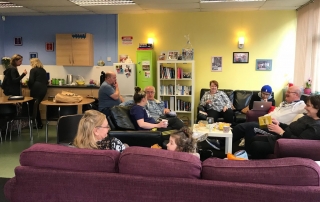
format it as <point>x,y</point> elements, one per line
<point>307,60</point>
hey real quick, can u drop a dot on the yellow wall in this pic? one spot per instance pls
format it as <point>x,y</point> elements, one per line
<point>268,35</point>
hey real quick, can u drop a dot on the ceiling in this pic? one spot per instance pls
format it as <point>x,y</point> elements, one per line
<point>65,7</point>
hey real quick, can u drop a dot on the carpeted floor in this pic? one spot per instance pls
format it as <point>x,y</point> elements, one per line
<point>2,183</point>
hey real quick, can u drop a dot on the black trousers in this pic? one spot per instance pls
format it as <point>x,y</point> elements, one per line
<point>260,147</point>
<point>227,115</point>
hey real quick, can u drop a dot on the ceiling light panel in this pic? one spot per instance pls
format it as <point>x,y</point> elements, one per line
<point>4,4</point>
<point>102,2</point>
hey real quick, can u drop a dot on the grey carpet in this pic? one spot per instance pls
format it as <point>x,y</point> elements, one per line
<point>2,183</point>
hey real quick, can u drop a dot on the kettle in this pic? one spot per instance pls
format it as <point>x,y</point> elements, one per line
<point>69,79</point>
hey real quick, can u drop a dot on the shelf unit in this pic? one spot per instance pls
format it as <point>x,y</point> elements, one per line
<point>176,91</point>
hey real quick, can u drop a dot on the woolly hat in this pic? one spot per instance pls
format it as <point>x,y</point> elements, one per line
<point>266,88</point>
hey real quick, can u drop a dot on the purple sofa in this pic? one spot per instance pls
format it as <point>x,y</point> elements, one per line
<point>58,173</point>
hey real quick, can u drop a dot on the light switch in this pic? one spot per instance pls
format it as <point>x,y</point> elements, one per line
<point>109,59</point>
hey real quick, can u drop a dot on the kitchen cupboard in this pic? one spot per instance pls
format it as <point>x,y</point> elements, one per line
<point>74,49</point>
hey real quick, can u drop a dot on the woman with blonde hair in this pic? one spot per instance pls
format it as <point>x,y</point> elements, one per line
<point>12,79</point>
<point>93,133</point>
<point>37,84</point>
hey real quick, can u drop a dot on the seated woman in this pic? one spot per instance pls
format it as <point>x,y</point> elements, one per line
<point>93,133</point>
<point>217,103</point>
<point>140,116</point>
<point>263,95</point>
<point>182,141</point>
<point>307,127</point>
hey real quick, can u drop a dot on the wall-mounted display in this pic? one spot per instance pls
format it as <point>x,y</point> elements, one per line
<point>240,57</point>
<point>18,41</point>
<point>263,65</point>
<point>216,63</point>
<point>50,46</point>
<point>33,55</point>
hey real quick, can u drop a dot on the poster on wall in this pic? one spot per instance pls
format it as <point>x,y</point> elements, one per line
<point>216,64</point>
<point>127,40</point>
<point>146,65</point>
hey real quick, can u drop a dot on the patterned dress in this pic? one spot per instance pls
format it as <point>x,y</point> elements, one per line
<point>111,144</point>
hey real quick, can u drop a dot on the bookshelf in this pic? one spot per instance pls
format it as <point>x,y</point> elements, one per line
<point>175,86</point>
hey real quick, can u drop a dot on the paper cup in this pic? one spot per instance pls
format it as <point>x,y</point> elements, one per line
<point>165,121</point>
<point>226,129</point>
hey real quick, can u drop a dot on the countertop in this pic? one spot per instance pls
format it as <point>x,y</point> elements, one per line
<point>67,86</point>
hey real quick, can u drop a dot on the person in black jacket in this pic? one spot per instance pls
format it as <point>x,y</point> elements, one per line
<point>307,127</point>
<point>264,95</point>
<point>37,84</point>
<point>12,78</point>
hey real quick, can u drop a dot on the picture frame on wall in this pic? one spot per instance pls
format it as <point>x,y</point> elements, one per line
<point>18,41</point>
<point>172,55</point>
<point>240,57</point>
<point>33,55</point>
<point>216,63</point>
<point>49,46</point>
<point>263,65</point>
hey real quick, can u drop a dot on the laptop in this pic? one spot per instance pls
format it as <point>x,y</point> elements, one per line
<point>261,106</point>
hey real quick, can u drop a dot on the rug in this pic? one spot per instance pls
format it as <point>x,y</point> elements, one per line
<point>2,183</point>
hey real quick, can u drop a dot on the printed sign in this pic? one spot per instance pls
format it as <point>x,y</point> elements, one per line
<point>127,40</point>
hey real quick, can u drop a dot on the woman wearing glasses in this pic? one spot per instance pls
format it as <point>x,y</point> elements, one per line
<point>307,127</point>
<point>93,133</point>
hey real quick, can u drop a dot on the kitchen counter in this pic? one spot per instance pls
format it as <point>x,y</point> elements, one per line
<point>75,86</point>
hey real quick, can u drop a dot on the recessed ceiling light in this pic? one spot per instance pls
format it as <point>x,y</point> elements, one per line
<point>213,1</point>
<point>101,2</point>
<point>4,4</point>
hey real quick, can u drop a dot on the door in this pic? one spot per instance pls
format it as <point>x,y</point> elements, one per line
<point>63,49</point>
<point>145,69</point>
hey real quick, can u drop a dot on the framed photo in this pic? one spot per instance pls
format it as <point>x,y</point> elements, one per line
<point>18,41</point>
<point>173,55</point>
<point>162,56</point>
<point>240,57</point>
<point>33,55</point>
<point>263,65</point>
<point>216,63</point>
<point>50,46</point>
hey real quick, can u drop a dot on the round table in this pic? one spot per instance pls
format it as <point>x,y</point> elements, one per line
<point>59,106</point>
<point>4,100</point>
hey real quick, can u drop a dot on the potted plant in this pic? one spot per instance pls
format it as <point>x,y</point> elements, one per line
<point>307,89</point>
<point>5,61</point>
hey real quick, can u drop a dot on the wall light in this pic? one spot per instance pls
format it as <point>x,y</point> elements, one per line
<point>241,42</point>
<point>150,40</point>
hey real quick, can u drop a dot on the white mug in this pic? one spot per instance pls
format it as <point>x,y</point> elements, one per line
<point>165,121</point>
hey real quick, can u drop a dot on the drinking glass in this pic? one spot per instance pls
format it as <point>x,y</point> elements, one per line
<point>210,120</point>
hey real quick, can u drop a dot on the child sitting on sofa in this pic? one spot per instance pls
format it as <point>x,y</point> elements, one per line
<point>93,133</point>
<point>182,141</point>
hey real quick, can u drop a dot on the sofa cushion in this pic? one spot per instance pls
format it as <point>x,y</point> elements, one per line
<point>159,163</point>
<point>241,99</point>
<point>120,116</point>
<point>67,158</point>
<point>284,171</point>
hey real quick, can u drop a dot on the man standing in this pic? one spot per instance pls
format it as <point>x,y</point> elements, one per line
<point>109,94</point>
<point>157,110</point>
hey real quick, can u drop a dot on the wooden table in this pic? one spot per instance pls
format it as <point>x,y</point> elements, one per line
<point>48,103</point>
<point>4,100</point>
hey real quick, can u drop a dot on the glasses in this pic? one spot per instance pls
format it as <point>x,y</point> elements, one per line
<point>291,92</point>
<point>149,92</point>
<point>108,127</point>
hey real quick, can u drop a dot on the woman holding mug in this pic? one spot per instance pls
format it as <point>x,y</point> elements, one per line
<point>217,103</point>
<point>141,117</point>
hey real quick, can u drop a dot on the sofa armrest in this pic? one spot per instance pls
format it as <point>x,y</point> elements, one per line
<point>253,115</point>
<point>297,148</point>
<point>8,188</point>
<point>138,138</point>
